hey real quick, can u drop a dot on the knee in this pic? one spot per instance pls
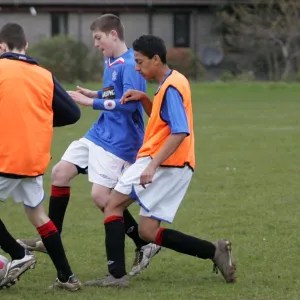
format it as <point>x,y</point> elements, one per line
<point>114,205</point>
<point>61,174</point>
<point>100,200</point>
<point>110,205</point>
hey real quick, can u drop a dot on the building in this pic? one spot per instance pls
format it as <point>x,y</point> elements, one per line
<point>181,23</point>
<point>185,23</point>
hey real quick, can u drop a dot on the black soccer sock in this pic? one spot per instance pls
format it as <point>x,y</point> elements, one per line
<point>115,245</point>
<point>52,241</point>
<point>9,244</point>
<point>131,229</point>
<point>58,204</point>
<point>186,244</point>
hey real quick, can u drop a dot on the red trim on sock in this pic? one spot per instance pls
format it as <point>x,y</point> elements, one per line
<point>60,191</point>
<point>113,218</point>
<point>158,238</point>
<point>47,229</point>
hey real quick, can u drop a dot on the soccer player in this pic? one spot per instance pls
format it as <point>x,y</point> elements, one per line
<point>32,103</point>
<point>112,143</point>
<point>163,170</point>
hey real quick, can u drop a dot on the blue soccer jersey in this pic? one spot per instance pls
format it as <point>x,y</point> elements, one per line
<point>120,127</point>
<point>172,110</point>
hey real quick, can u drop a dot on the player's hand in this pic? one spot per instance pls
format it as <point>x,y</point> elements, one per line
<point>147,175</point>
<point>81,99</point>
<point>132,95</point>
<point>85,92</point>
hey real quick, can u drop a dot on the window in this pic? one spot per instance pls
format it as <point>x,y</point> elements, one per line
<point>181,30</point>
<point>59,23</point>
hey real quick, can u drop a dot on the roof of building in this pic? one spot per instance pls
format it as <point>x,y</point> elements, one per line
<point>117,2</point>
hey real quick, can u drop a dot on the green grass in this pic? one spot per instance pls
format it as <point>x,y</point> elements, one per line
<point>245,188</point>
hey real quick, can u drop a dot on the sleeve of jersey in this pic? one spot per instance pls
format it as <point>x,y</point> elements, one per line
<point>173,112</point>
<point>99,94</point>
<point>65,110</point>
<point>114,105</point>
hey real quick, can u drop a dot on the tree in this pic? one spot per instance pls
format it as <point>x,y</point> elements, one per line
<point>266,28</point>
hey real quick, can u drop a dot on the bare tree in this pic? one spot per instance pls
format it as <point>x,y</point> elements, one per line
<point>265,27</point>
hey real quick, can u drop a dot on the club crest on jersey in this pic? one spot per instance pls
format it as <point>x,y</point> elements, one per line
<point>114,75</point>
<point>109,104</point>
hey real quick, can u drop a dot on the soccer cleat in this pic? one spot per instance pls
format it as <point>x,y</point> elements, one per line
<point>109,281</point>
<point>72,285</point>
<point>142,258</point>
<point>223,260</point>
<point>33,245</point>
<point>16,268</point>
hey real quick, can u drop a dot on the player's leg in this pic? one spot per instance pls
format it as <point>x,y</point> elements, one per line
<point>31,193</point>
<point>105,169</point>
<point>160,202</point>
<point>219,252</point>
<point>100,195</point>
<point>21,259</point>
<point>73,162</point>
<point>9,245</point>
<point>52,241</point>
<point>115,242</point>
<point>118,201</point>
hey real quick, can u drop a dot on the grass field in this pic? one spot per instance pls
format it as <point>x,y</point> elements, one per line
<point>246,188</point>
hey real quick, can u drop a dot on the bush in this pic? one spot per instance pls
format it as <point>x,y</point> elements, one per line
<point>243,77</point>
<point>227,76</point>
<point>185,61</point>
<point>67,58</point>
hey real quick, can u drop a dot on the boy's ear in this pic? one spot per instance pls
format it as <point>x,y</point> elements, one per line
<point>114,34</point>
<point>3,48</point>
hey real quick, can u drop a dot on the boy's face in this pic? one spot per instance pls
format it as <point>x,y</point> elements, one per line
<point>145,66</point>
<point>104,42</point>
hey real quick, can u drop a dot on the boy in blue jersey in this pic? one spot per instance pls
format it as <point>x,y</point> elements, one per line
<point>111,144</point>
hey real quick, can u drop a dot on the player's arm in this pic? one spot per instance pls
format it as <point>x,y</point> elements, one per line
<point>135,95</point>
<point>89,93</point>
<point>174,114</point>
<point>147,105</point>
<point>65,110</point>
<point>101,104</point>
<point>129,81</point>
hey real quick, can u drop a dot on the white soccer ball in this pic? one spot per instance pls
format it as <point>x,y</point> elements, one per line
<point>3,266</point>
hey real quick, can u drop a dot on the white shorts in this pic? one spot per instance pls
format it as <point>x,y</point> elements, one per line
<point>26,190</point>
<point>161,198</point>
<point>104,168</point>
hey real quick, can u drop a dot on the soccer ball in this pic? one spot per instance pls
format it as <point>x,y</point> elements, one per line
<point>3,266</point>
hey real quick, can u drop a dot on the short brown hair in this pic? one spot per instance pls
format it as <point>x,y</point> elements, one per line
<point>107,23</point>
<point>13,36</point>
